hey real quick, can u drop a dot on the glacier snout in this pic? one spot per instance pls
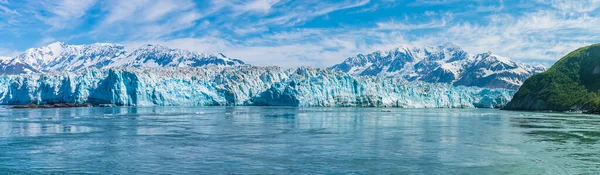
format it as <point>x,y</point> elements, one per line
<point>242,85</point>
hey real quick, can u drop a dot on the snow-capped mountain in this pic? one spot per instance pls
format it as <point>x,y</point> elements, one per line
<point>239,85</point>
<point>447,63</point>
<point>62,57</point>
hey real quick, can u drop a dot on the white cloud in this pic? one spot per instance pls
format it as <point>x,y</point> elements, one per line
<point>159,9</point>
<point>394,25</point>
<point>271,32</point>
<point>5,10</point>
<point>430,13</point>
<point>4,52</point>
<point>433,2</point>
<point>263,6</point>
<point>122,10</point>
<point>543,35</point>
<point>538,36</point>
<point>144,11</point>
<point>254,16</point>
<point>302,11</point>
<point>45,41</point>
<point>314,47</point>
<point>570,6</point>
<point>248,30</point>
<point>64,12</point>
<point>148,19</point>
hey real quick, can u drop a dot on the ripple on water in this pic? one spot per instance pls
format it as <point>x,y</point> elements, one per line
<point>276,140</point>
<point>33,129</point>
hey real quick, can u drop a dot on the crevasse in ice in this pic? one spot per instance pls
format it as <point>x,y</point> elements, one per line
<point>240,85</point>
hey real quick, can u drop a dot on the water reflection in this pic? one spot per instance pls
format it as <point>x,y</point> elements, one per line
<point>267,140</point>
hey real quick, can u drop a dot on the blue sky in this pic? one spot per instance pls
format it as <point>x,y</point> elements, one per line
<point>306,32</point>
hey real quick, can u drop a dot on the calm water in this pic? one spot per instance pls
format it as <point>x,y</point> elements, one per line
<point>277,140</point>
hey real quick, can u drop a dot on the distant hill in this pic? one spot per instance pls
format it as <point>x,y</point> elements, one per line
<point>572,83</point>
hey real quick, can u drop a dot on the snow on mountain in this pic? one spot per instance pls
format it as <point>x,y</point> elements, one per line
<point>496,71</point>
<point>447,63</point>
<point>240,85</point>
<point>62,57</point>
<point>9,65</point>
<point>161,56</point>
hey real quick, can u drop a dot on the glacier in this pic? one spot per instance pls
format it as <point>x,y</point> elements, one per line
<point>239,86</point>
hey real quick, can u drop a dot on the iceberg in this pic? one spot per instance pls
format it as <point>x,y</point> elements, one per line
<point>243,85</point>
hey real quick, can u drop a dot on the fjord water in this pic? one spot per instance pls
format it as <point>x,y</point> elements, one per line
<point>285,140</point>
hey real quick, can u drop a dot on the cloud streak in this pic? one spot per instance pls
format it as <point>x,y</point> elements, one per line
<point>62,13</point>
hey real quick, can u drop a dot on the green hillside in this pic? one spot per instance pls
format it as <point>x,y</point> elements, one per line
<point>572,83</point>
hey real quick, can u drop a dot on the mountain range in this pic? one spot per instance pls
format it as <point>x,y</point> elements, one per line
<point>59,56</point>
<point>446,63</point>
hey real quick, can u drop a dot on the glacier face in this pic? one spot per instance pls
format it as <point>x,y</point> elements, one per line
<point>446,63</point>
<point>238,85</point>
<point>63,57</point>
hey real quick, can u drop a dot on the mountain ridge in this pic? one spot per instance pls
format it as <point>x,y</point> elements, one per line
<point>447,63</point>
<point>59,56</point>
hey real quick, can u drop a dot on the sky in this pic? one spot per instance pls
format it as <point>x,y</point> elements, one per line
<point>316,33</point>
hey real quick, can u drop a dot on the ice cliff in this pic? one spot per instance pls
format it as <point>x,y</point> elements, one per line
<point>239,85</point>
